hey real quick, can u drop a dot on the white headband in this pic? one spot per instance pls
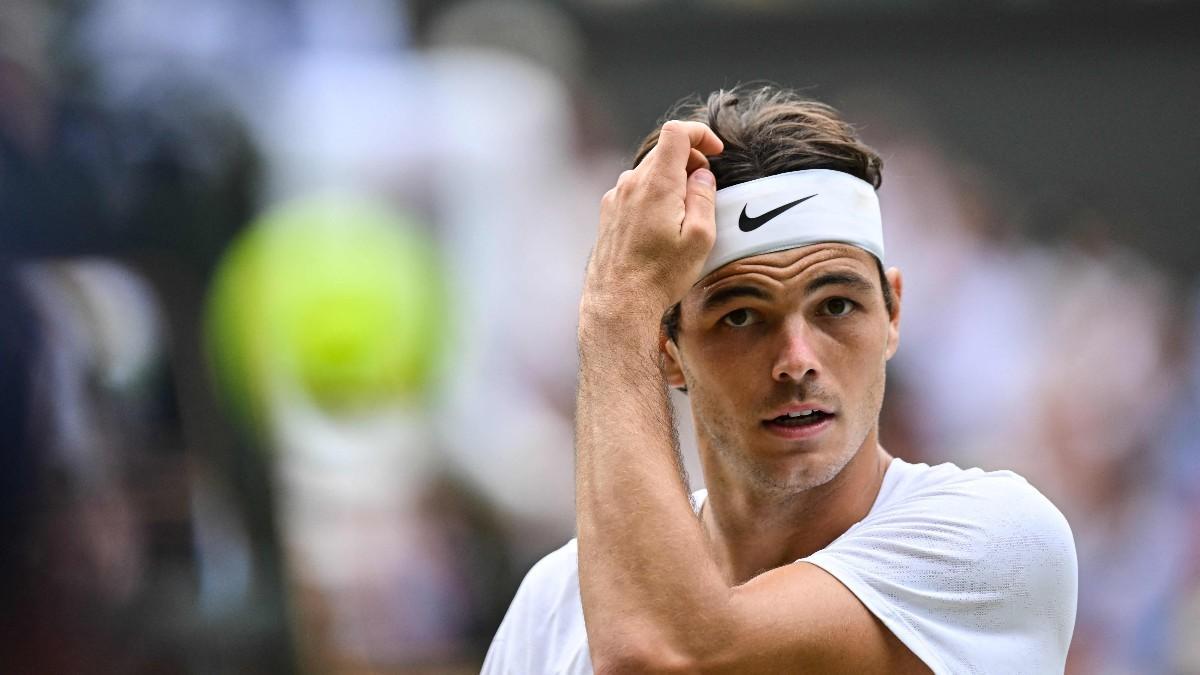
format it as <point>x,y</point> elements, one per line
<point>794,209</point>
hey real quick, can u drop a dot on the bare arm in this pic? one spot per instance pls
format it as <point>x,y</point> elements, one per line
<point>653,597</point>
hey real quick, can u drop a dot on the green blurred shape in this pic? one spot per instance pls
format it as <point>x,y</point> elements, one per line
<point>338,296</point>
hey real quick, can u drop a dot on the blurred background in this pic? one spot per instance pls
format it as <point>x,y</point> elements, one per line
<point>288,294</point>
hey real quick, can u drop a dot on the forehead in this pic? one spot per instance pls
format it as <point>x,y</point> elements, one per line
<point>783,269</point>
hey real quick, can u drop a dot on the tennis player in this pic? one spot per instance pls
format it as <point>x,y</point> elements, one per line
<point>741,260</point>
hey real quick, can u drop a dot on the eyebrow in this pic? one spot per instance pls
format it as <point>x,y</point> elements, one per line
<point>724,295</point>
<point>840,279</point>
<point>718,298</point>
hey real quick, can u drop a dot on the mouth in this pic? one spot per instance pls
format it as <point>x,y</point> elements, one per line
<point>799,424</point>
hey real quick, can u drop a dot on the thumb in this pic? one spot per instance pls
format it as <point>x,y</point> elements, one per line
<point>699,207</point>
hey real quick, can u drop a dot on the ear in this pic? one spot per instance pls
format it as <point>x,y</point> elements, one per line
<point>671,362</point>
<point>897,283</point>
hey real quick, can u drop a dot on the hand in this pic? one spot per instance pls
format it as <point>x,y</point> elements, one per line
<point>656,226</point>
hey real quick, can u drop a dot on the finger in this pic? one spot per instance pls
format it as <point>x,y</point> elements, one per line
<point>696,160</point>
<point>678,138</point>
<point>699,206</point>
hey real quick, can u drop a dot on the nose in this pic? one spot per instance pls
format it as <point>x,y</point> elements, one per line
<point>795,358</point>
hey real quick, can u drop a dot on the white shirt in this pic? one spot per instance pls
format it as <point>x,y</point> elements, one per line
<point>975,572</point>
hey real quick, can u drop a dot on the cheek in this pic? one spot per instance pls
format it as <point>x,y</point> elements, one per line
<point>714,356</point>
<point>734,372</point>
<point>713,392</point>
<point>873,386</point>
<point>855,364</point>
<point>862,346</point>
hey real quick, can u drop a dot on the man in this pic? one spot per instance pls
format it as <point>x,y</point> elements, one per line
<point>812,550</point>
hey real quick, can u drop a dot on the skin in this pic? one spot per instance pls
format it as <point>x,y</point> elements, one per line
<point>662,590</point>
<point>816,330</point>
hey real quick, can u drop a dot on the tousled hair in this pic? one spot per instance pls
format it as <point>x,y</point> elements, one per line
<point>769,130</point>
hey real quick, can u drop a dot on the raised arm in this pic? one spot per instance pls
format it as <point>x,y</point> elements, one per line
<point>654,599</point>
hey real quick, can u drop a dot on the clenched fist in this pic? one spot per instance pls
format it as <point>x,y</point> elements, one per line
<point>656,227</point>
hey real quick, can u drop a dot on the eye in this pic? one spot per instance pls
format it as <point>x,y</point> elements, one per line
<point>740,318</point>
<point>838,306</point>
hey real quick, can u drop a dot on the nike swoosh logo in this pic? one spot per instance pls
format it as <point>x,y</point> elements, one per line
<point>748,224</point>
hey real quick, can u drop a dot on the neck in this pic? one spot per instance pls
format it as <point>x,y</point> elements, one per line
<point>750,532</point>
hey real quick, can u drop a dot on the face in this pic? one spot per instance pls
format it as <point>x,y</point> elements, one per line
<point>783,356</point>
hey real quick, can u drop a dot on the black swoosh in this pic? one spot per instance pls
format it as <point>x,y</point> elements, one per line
<point>748,224</point>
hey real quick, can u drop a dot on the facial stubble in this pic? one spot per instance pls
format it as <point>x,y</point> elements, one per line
<point>715,425</point>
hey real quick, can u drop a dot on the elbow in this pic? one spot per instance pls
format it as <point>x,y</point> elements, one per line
<point>643,645</point>
<point>638,655</point>
<point>657,663</point>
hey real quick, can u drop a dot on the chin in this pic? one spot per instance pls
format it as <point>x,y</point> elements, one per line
<point>800,471</point>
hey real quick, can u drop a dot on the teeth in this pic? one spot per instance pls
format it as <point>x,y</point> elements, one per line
<point>806,413</point>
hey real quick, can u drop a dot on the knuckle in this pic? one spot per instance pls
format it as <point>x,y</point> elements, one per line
<point>703,236</point>
<point>626,183</point>
<point>676,128</point>
<point>704,196</point>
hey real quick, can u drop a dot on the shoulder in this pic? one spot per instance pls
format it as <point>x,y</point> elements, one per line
<point>552,577</point>
<point>543,630</point>
<point>949,553</point>
<point>550,589</point>
<point>990,521</point>
<point>974,505</point>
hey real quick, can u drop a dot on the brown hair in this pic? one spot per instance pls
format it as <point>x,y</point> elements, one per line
<point>769,130</point>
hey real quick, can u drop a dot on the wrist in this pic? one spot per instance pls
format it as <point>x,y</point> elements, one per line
<point>612,324</point>
<point>621,311</point>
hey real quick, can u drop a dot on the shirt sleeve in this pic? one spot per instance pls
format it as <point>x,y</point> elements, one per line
<point>543,630</point>
<point>978,575</point>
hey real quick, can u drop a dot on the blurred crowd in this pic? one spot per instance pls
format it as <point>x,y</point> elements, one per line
<point>187,486</point>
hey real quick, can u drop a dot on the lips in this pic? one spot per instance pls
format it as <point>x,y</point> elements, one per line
<point>799,422</point>
<point>799,419</point>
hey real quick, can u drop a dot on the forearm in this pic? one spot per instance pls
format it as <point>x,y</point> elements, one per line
<point>644,568</point>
